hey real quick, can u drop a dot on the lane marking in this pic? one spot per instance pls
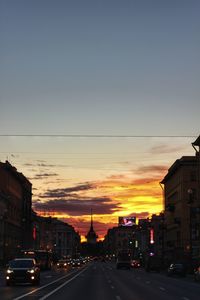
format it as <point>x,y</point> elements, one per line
<point>162,288</point>
<point>61,286</point>
<point>185,298</point>
<point>44,286</point>
<point>118,297</point>
<point>148,282</point>
<point>112,287</point>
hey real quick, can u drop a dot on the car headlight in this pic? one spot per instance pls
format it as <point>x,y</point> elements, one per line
<point>9,271</point>
<point>65,264</point>
<point>31,271</point>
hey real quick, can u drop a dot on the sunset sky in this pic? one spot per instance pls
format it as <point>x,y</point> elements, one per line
<point>97,100</point>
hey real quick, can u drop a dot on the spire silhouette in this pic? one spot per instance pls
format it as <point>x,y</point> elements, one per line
<point>91,235</point>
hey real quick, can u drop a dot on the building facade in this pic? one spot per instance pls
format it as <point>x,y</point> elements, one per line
<point>15,216</point>
<point>55,236</point>
<point>182,210</point>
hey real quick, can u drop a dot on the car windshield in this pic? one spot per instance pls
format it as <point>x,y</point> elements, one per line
<point>21,263</point>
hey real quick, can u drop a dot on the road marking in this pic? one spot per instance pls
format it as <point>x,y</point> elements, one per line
<point>162,288</point>
<point>112,287</point>
<point>118,297</point>
<point>46,285</point>
<point>185,298</point>
<point>148,282</point>
<point>60,286</point>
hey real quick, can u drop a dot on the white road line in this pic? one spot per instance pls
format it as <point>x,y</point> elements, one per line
<point>118,297</point>
<point>162,288</point>
<point>185,298</point>
<point>112,287</point>
<point>60,286</point>
<point>148,282</point>
<point>43,286</point>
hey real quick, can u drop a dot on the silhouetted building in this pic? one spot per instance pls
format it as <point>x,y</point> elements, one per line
<point>120,238</point>
<point>91,235</point>
<point>15,215</point>
<point>56,236</point>
<point>182,209</point>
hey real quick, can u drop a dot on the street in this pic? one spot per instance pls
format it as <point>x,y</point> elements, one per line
<point>102,281</point>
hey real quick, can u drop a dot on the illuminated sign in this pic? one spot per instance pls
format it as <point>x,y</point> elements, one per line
<point>151,236</point>
<point>127,221</point>
<point>34,233</point>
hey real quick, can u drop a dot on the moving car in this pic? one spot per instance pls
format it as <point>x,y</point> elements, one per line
<point>23,270</point>
<point>63,264</point>
<point>76,263</point>
<point>176,269</point>
<point>135,264</point>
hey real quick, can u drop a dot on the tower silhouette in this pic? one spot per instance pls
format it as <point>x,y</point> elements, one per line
<point>91,235</point>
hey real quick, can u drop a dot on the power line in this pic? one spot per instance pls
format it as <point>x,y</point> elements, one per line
<point>97,136</point>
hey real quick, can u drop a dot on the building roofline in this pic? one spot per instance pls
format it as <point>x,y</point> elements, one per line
<point>176,165</point>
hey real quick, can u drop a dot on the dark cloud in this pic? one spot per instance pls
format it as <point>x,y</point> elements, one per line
<point>44,175</point>
<point>66,192</point>
<point>77,207</point>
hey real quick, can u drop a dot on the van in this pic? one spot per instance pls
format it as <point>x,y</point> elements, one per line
<point>123,260</point>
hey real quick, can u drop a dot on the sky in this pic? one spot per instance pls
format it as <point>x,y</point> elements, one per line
<point>97,100</point>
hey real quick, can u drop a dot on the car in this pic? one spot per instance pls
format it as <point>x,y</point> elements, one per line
<point>123,260</point>
<point>176,269</point>
<point>76,263</point>
<point>135,264</point>
<point>63,264</point>
<point>197,274</point>
<point>23,270</point>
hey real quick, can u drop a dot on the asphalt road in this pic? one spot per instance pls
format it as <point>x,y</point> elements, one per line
<point>102,281</point>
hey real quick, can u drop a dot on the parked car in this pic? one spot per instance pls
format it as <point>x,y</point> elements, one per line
<point>23,270</point>
<point>176,269</point>
<point>197,274</point>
